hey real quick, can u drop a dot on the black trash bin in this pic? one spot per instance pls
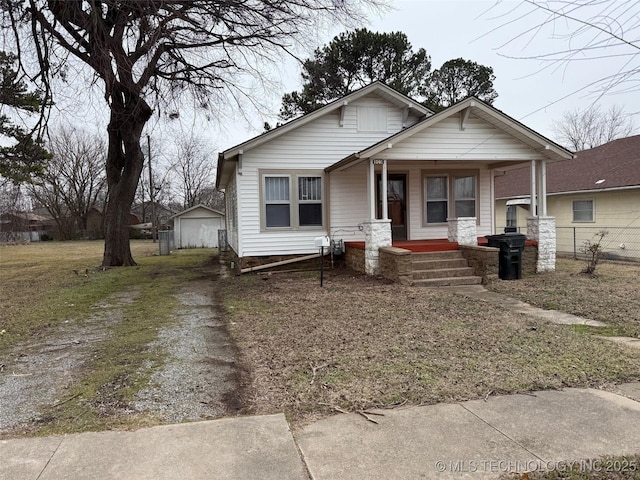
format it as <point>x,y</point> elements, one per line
<point>511,246</point>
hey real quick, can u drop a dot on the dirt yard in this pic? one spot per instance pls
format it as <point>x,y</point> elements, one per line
<point>361,342</point>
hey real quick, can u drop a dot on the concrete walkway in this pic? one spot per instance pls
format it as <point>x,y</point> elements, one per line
<point>478,292</point>
<point>475,439</point>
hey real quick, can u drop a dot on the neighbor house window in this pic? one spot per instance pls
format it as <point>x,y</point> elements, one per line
<point>437,199</point>
<point>512,216</point>
<point>277,202</point>
<point>291,200</point>
<point>583,211</point>
<point>449,195</point>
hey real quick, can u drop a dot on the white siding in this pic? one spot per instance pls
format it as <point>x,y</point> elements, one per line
<point>349,204</point>
<point>314,146</point>
<point>445,141</point>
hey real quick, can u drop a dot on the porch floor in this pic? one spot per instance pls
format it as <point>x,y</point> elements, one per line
<point>428,245</point>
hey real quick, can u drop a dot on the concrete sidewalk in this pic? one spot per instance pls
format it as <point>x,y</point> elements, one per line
<point>475,439</point>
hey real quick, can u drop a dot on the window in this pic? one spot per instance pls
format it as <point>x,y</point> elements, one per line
<point>436,199</point>
<point>446,196</point>
<point>277,204</point>
<point>291,201</point>
<point>464,190</point>
<point>583,211</point>
<point>310,201</point>
<point>512,216</point>
<point>372,119</point>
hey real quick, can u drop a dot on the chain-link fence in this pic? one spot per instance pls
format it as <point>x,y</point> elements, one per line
<point>619,243</point>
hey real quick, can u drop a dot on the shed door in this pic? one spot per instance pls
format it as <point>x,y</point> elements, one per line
<point>199,232</point>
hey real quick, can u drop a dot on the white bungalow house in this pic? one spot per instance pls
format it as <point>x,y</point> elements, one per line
<point>326,172</point>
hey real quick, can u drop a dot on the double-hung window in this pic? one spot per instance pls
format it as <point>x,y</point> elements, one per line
<point>464,191</point>
<point>449,195</point>
<point>310,201</point>
<point>277,200</point>
<point>437,198</point>
<point>292,200</point>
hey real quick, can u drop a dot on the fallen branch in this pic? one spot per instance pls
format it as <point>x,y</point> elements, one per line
<point>364,414</point>
<point>14,374</point>
<point>67,400</point>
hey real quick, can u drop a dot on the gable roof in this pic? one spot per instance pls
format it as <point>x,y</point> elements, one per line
<point>616,162</point>
<point>194,208</point>
<point>377,87</point>
<point>486,112</point>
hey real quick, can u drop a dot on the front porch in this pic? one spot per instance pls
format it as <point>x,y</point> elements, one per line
<point>437,262</point>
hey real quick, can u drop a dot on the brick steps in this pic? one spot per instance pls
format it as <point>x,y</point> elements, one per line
<point>437,269</point>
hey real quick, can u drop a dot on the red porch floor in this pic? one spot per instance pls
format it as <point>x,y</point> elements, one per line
<point>431,245</point>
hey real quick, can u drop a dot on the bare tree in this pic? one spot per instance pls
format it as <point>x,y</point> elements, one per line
<point>74,181</point>
<point>147,52</point>
<point>193,169</point>
<point>584,31</point>
<point>589,128</point>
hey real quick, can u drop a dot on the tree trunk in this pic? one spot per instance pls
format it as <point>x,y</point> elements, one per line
<point>125,160</point>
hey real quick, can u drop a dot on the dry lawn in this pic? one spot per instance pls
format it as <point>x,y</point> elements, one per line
<point>612,296</point>
<point>361,342</point>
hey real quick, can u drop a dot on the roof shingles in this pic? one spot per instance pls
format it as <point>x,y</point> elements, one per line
<point>616,162</point>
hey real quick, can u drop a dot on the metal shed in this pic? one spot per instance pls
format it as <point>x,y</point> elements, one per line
<point>197,227</point>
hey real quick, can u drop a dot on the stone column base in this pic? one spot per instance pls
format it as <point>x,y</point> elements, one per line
<point>462,230</point>
<point>543,230</point>
<point>377,234</point>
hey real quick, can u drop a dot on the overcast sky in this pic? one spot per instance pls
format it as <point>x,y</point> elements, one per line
<point>531,91</point>
<point>488,32</point>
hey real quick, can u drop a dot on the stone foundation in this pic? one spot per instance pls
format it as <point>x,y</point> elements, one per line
<point>354,258</point>
<point>483,260</point>
<point>395,264</point>
<point>543,230</point>
<point>529,260</point>
<point>462,230</point>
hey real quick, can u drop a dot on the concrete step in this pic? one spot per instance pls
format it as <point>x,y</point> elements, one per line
<point>446,255</point>
<point>442,273</point>
<point>437,264</point>
<point>446,282</point>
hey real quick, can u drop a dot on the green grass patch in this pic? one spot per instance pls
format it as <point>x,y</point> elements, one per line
<point>136,302</point>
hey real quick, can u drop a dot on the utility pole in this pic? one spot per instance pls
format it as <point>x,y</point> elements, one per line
<point>154,228</point>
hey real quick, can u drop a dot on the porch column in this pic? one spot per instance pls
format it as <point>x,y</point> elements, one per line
<point>542,199</point>
<point>372,190</point>
<point>383,194</point>
<point>543,230</point>
<point>533,189</point>
<point>541,227</point>
<point>462,230</point>
<point>377,233</point>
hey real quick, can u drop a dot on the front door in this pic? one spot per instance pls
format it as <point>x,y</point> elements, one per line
<point>396,203</point>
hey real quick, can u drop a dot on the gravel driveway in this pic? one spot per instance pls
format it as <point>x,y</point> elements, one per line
<point>199,380</point>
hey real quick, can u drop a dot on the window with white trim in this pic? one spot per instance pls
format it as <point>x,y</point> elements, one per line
<point>291,201</point>
<point>583,211</point>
